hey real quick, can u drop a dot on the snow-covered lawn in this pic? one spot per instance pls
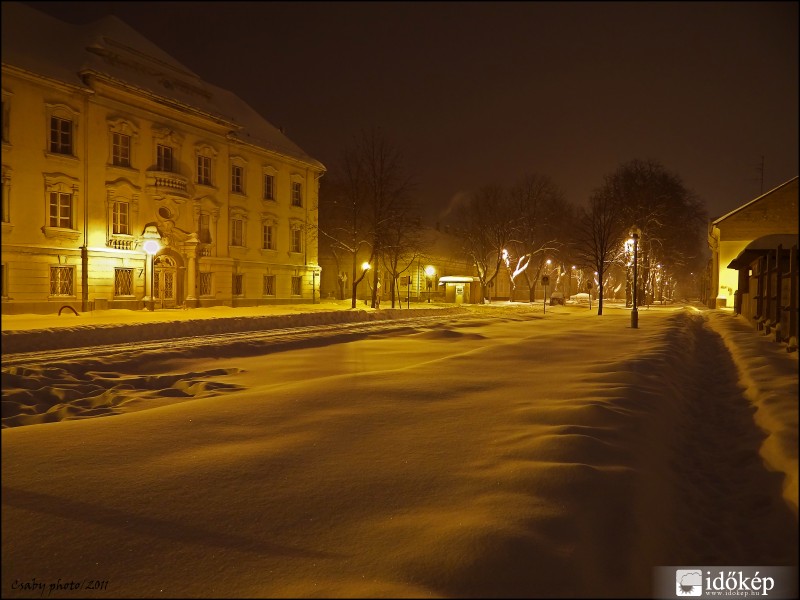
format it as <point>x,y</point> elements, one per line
<point>505,453</point>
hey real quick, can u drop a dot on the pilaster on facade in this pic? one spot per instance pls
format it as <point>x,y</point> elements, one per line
<point>7,223</point>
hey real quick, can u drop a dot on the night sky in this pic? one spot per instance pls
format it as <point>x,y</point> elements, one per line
<point>478,93</point>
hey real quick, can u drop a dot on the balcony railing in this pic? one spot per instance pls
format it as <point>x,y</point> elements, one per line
<point>165,182</point>
<point>121,243</point>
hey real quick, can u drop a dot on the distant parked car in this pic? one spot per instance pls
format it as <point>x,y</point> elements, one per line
<point>580,298</point>
<point>556,298</point>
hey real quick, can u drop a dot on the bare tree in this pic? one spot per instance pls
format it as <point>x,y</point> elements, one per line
<point>540,208</point>
<point>368,187</point>
<point>387,188</point>
<point>486,224</point>
<point>671,218</point>
<point>334,232</point>
<point>520,265</point>
<point>344,220</point>
<point>401,243</point>
<point>600,233</point>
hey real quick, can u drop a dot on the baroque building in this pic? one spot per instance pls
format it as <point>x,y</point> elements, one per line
<point>109,143</point>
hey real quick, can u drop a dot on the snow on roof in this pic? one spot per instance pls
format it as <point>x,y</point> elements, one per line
<point>41,44</point>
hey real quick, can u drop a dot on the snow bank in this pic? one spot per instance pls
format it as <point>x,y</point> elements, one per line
<point>770,377</point>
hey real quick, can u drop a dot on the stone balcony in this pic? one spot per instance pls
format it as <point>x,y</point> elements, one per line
<point>121,242</point>
<point>167,183</point>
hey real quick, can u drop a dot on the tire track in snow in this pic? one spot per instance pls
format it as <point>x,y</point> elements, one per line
<point>227,344</point>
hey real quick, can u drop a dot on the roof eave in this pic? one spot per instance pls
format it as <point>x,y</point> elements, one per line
<point>743,206</point>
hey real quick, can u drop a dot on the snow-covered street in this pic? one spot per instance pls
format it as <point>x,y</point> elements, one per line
<point>502,452</point>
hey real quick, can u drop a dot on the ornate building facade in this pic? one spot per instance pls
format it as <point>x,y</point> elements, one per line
<point>129,182</point>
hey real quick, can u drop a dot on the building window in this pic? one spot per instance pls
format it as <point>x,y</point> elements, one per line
<point>203,170</point>
<point>123,282</point>
<point>121,219</point>
<point>269,285</point>
<point>205,284</point>
<point>297,240</point>
<point>204,228</point>
<point>238,284</point>
<point>60,210</point>
<point>297,193</point>
<point>237,232</point>
<point>61,280</point>
<point>237,179</point>
<point>60,206</point>
<point>297,285</point>
<point>269,187</point>
<point>122,136</point>
<point>268,236</point>
<point>60,136</point>
<point>120,150</point>
<point>164,158</point>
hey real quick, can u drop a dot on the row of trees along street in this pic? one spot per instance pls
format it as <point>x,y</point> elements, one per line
<point>368,208</point>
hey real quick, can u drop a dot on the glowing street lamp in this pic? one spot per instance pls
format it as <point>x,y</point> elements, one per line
<point>429,273</point>
<point>151,245</point>
<point>635,234</point>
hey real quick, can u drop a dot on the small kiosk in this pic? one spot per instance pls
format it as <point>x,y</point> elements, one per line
<point>458,288</point>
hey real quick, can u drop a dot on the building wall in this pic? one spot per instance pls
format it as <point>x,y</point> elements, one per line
<point>773,213</point>
<point>30,248</point>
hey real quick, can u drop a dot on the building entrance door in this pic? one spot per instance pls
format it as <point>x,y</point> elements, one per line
<point>165,273</point>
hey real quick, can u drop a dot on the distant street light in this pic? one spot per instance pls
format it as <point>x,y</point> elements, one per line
<point>635,233</point>
<point>570,282</point>
<point>429,273</point>
<point>151,245</point>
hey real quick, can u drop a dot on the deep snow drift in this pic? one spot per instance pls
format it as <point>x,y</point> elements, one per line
<point>508,453</point>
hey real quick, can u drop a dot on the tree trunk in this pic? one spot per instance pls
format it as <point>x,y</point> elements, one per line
<point>354,279</point>
<point>599,292</point>
<point>375,281</point>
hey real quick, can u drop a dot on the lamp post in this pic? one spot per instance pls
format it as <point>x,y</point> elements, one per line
<point>429,273</point>
<point>151,245</point>
<point>313,286</point>
<point>635,233</point>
